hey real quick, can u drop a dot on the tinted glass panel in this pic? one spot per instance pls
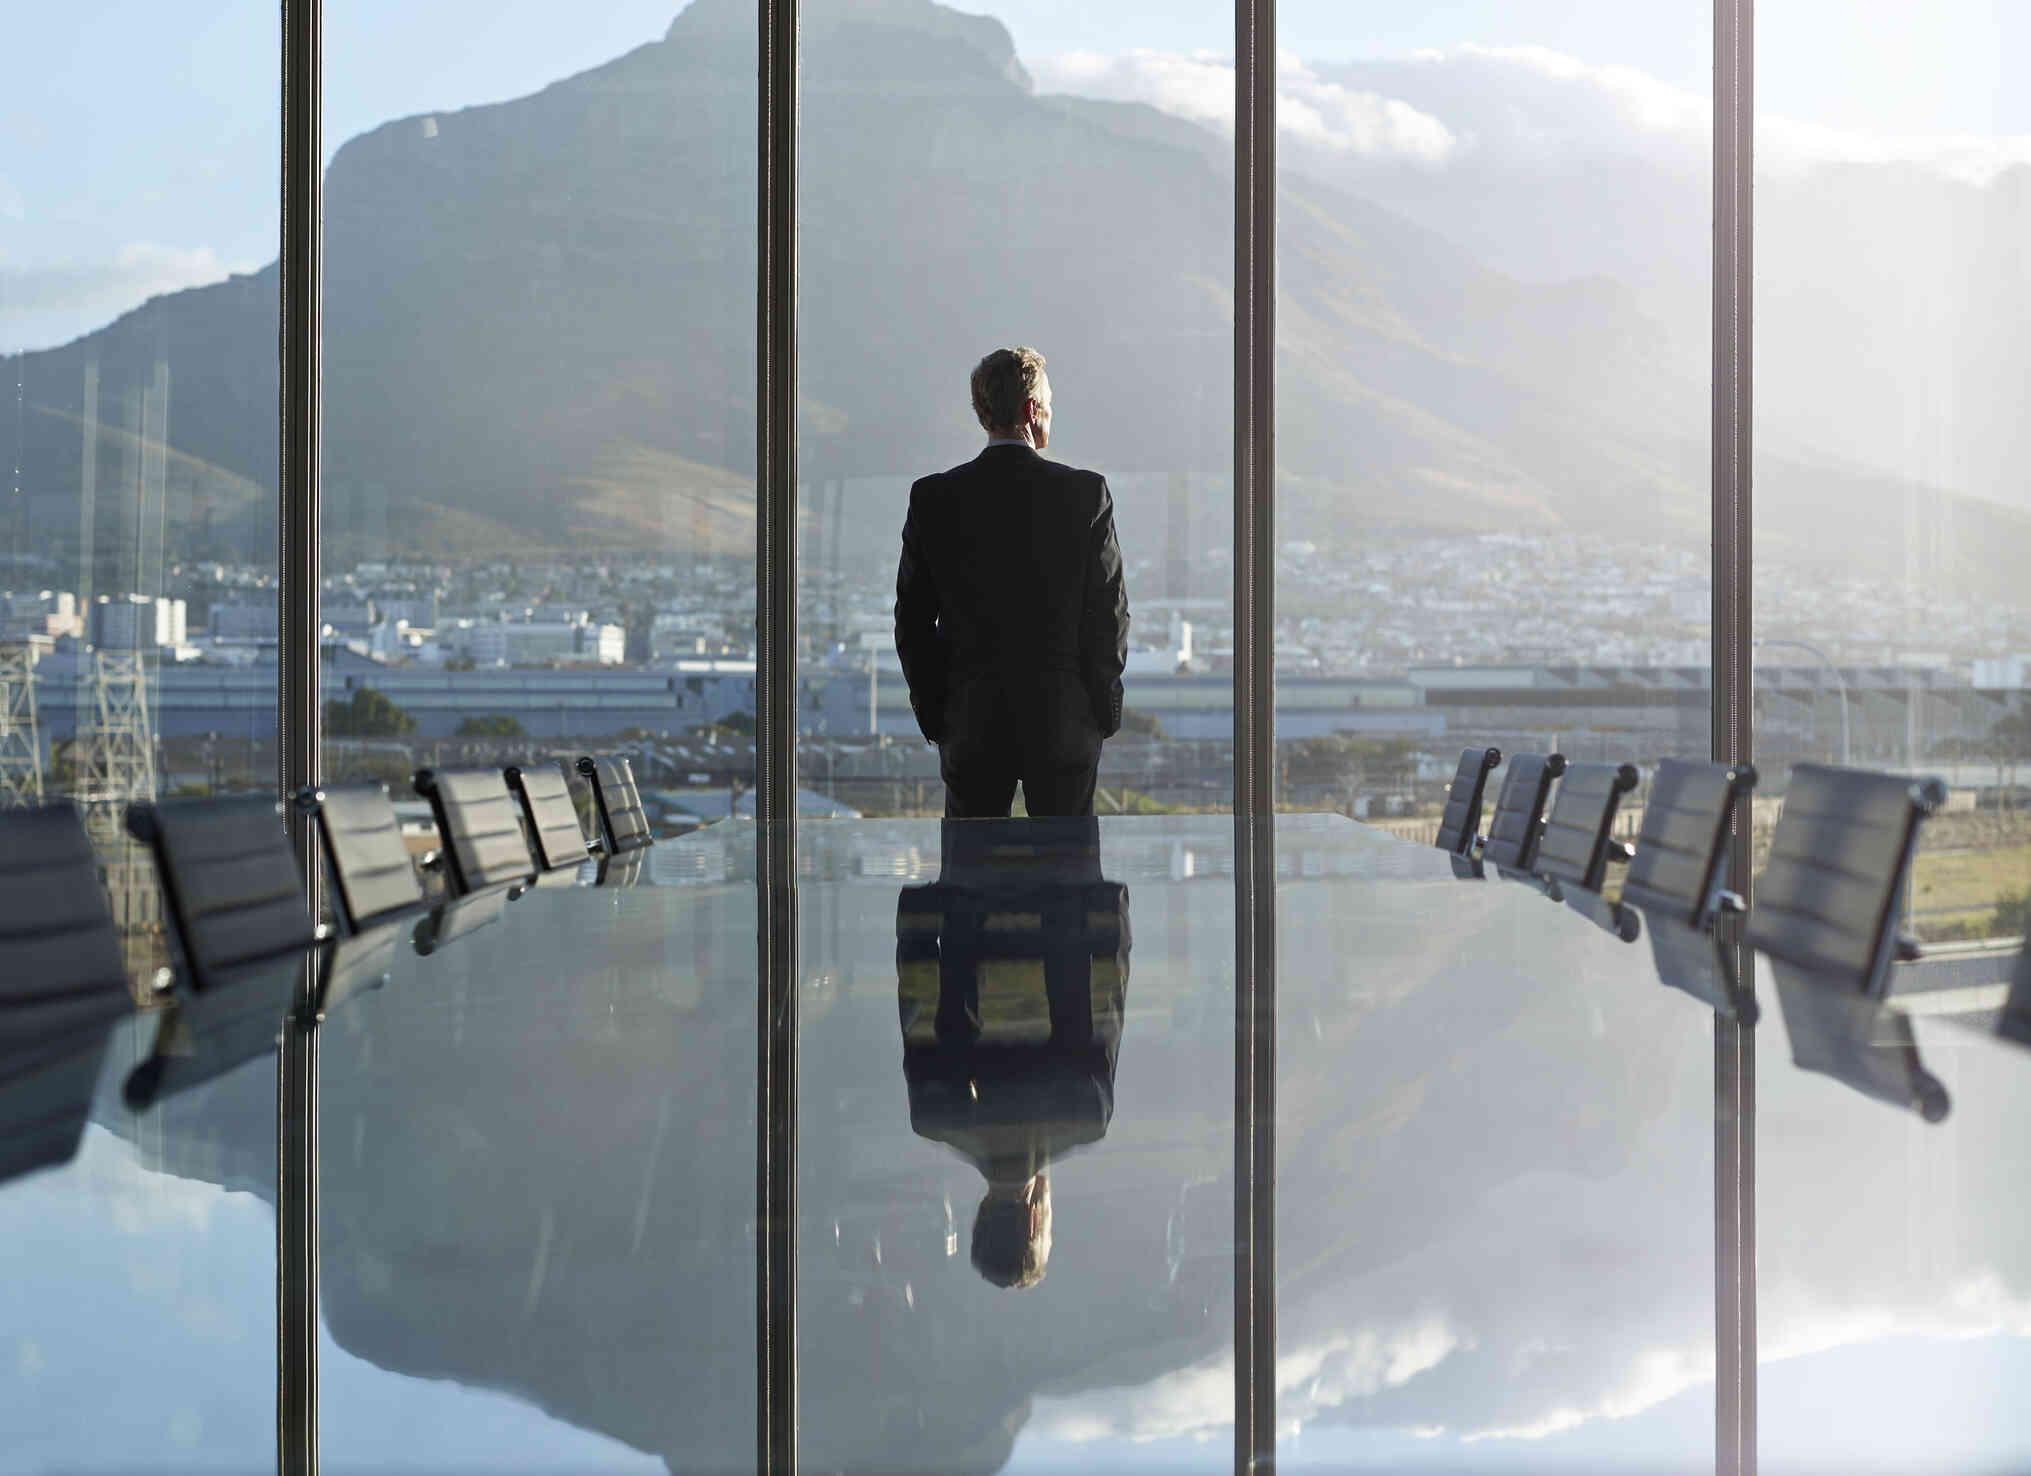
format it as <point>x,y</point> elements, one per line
<point>138,452</point>
<point>538,536</point>
<point>1893,534</point>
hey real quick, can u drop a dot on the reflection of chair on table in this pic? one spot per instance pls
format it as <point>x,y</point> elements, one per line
<point>62,985</point>
<point>1826,915</point>
<point>1012,977</point>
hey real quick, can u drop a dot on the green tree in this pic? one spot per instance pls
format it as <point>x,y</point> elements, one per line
<point>1135,723</point>
<point>368,715</point>
<point>733,725</point>
<point>490,725</point>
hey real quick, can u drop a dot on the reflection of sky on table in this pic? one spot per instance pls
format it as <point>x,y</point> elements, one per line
<point>1494,1215</point>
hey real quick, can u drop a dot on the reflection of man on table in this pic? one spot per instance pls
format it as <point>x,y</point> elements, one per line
<point>1012,970</point>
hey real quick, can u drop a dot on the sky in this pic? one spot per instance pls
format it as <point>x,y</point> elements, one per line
<point>138,141</point>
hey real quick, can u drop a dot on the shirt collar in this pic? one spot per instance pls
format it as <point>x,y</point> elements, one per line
<point>1010,442</point>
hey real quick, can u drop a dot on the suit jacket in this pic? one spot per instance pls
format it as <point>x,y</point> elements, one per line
<point>1010,569</point>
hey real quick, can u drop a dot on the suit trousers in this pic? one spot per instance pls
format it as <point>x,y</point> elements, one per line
<point>1036,730</point>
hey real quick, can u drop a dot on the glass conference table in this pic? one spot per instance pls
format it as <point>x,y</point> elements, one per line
<point>1494,1191</point>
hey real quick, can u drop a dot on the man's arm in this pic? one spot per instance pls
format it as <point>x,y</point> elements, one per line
<point>1104,640</point>
<point>919,644</point>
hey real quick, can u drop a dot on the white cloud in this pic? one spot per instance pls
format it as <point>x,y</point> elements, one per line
<point>52,303</point>
<point>1497,103</point>
<point>1200,86</point>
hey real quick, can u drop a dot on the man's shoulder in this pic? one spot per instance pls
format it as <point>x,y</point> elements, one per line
<point>1083,477</point>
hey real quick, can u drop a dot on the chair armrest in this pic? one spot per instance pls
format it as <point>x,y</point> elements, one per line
<point>1621,852</point>
<point>1909,949</point>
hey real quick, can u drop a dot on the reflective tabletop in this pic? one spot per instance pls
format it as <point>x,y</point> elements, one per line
<point>536,1145</point>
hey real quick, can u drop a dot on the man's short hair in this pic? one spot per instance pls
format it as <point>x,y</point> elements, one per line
<point>1002,381</point>
<point>1004,1251</point>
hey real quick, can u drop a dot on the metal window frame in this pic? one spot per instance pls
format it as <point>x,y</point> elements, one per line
<point>1734,134</point>
<point>299,679</point>
<point>776,24</point>
<point>1254,735</point>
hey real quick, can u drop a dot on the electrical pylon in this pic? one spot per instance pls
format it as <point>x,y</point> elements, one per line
<point>20,738</point>
<point>115,747</point>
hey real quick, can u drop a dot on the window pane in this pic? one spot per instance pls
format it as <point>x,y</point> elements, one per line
<point>538,544</point>
<point>1892,542</point>
<point>965,187</point>
<point>538,535</point>
<point>968,183</point>
<point>138,318</point>
<point>1495,1198</point>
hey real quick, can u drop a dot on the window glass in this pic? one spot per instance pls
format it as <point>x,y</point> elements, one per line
<point>1495,1228</point>
<point>990,1221</point>
<point>1893,532</point>
<point>538,545</point>
<point>538,455</point>
<point>138,455</point>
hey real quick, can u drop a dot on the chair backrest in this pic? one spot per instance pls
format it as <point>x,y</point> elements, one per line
<point>57,938</point>
<point>1514,828</point>
<point>1461,823</point>
<point>1682,849</point>
<point>1577,833</point>
<point>1827,902</point>
<point>375,881</point>
<point>623,823</point>
<point>553,819</point>
<point>479,831</point>
<point>229,878</point>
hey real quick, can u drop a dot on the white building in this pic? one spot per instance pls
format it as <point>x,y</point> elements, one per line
<point>135,622</point>
<point>547,642</point>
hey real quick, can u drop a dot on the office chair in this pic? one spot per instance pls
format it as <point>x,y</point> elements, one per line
<point>1518,822</point>
<point>481,840</point>
<point>241,927</point>
<point>1825,914</point>
<point>1676,880</point>
<point>623,823</point>
<point>1578,840</point>
<point>229,884</point>
<point>62,985</point>
<point>1460,825</point>
<point>60,961</point>
<point>374,880</point>
<point>551,817</point>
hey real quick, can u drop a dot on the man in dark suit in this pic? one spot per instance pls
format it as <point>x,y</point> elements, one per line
<point>1011,618</point>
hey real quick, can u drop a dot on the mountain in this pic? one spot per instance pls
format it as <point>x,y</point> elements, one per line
<point>539,324</point>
